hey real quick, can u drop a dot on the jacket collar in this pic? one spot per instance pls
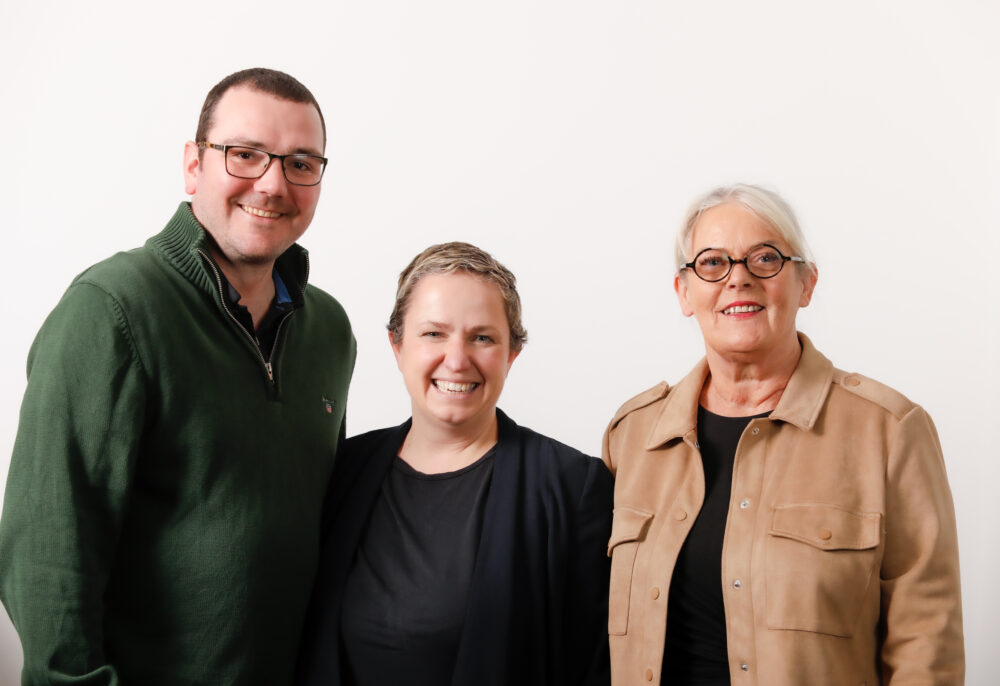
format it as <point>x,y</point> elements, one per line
<point>184,241</point>
<point>679,413</point>
<point>807,390</point>
<point>800,403</point>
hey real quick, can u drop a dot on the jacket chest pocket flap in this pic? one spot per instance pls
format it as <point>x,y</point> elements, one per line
<point>819,567</point>
<point>628,528</point>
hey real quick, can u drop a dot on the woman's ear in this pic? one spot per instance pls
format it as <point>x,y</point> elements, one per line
<point>680,288</point>
<point>395,347</point>
<point>808,285</point>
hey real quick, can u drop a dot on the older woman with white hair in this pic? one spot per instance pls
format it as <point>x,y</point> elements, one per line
<point>777,521</point>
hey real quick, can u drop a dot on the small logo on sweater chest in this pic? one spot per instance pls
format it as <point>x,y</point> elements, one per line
<point>328,405</point>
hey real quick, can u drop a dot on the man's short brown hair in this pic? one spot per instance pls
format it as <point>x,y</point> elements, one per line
<point>270,81</point>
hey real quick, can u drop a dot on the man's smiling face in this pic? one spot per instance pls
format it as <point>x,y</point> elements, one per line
<point>253,221</point>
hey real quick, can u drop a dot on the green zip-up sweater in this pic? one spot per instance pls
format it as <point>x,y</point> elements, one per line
<point>161,517</point>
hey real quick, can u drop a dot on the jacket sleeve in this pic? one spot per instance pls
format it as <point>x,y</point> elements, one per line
<point>70,473</point>
<point>921,598</point>
<point>589,578</point>
<point>606,457</point>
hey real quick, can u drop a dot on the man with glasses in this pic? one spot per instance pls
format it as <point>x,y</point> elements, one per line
<point>183,409</point>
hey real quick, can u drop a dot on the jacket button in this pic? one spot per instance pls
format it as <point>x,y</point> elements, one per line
<point>649,675</point>
<point>745,667</point>
<point>825,534</point>
<point>654,593</point>
<point>737,584</point>
<point>744,504</point>
<point>852,381</point>
<point>680,515</point>
<point>755,431</point>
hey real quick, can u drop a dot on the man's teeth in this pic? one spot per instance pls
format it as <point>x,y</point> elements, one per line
<point>260,213</point>
<point>738,309</point>
<point>453,387</point>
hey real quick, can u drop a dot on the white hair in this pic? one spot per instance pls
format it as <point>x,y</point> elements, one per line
<point>765,204</point>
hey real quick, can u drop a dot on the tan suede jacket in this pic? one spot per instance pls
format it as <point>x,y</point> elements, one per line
<point>840,560</point>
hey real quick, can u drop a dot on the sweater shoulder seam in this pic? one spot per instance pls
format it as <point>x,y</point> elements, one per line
<point>121,315</point>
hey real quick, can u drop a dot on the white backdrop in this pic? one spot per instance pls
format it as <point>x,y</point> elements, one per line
<point>567,138</point>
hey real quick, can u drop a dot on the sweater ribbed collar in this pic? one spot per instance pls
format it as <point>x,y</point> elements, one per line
<point>184,241</point>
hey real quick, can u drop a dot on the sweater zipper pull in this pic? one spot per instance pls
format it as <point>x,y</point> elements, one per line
<point>270,371</point>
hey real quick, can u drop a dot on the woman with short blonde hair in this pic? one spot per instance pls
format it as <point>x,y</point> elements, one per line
<point>461,548</point>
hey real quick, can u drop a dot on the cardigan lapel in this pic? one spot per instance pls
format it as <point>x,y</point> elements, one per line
<point>358,477</point>
<point>357,482</point>
<point>358,489</point>
<point>483,651</point>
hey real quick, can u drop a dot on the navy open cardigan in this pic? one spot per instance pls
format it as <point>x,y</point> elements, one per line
<point>538,601</point>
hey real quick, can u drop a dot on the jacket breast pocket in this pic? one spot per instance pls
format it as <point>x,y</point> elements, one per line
<point>820,564</point>
<point>628,528</point>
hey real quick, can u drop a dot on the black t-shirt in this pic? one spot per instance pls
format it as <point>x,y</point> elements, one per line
<point>695,653</point>
<point>406,594</point>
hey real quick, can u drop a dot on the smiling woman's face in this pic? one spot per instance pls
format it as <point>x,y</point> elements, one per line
<point>455,351</point>
<point>742,314</point>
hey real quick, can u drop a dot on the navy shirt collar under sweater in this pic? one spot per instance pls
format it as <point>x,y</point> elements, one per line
<point>268,329</point>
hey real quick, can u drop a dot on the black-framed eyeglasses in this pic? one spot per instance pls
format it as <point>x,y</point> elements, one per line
<point>764,262</point>
<point>251,163</point>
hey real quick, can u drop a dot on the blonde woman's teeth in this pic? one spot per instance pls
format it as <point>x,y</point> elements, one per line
<point>453,387</point>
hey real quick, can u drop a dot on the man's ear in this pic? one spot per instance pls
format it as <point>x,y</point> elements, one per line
<point>192,167</point>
